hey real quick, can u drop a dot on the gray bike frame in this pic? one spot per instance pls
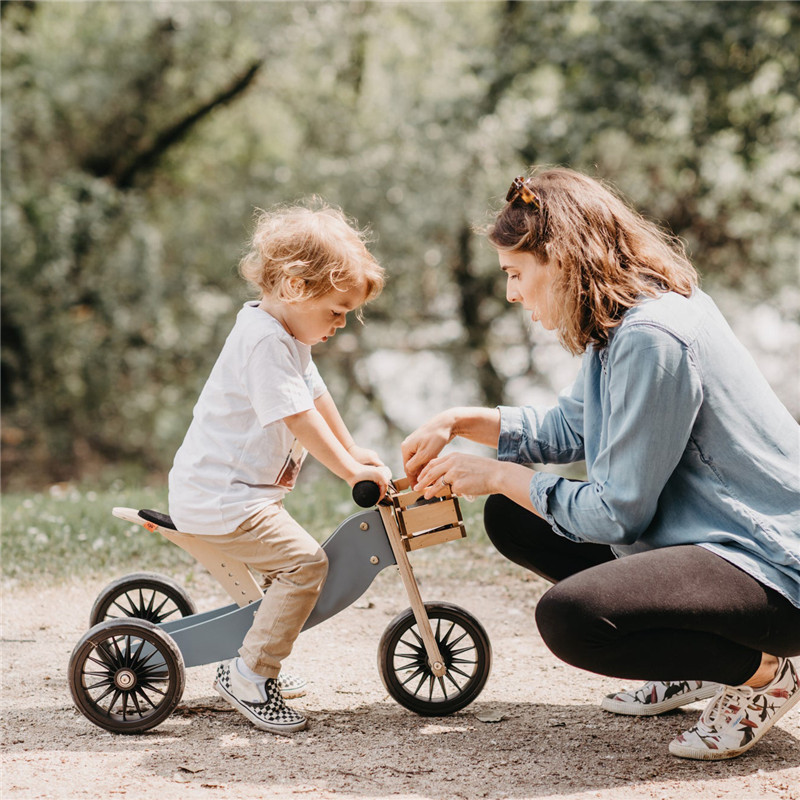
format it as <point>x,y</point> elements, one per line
<point>357,551</point>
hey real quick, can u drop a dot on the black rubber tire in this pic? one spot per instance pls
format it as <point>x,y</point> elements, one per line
<point>143,595</point>
<point>404,668</point>
<point>126,675</point>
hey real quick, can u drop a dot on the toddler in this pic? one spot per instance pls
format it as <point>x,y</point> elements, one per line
<point>263,407</point>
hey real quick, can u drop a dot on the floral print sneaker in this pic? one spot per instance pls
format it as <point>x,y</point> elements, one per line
<point>262,704</point>
<point>738,717</point>
<point>656,697</point>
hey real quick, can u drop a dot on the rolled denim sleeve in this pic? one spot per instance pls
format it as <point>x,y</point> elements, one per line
<point>530,435</point>
<point>652,396</point>
<point>542,484</point>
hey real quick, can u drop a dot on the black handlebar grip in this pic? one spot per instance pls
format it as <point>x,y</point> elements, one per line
<point>366,493</point>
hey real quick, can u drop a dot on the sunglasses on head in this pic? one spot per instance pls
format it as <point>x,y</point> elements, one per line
<point>520,190</point>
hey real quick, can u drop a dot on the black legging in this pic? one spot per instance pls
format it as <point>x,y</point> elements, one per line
<point>677,613</point>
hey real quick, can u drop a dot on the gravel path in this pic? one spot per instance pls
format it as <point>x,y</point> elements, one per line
<point>551,738</point>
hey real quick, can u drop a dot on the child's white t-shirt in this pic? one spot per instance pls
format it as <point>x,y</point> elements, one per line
<point>238,455</point>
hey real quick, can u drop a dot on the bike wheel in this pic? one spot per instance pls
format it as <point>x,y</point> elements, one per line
<point>406,673</point>
<point>143,595</point>
<point>126,676</point>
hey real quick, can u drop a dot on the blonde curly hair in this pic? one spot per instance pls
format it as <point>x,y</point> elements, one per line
<point>607,255</point>
<point>299,253</point>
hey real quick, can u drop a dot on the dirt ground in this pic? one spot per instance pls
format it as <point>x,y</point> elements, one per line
<point>551,738</point>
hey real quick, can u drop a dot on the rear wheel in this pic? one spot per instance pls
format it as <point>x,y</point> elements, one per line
<point>144,595</point>
<point>465,650</point>
<point>126,676</point>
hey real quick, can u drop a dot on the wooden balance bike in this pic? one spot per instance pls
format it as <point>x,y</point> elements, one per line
<point>127,672</point>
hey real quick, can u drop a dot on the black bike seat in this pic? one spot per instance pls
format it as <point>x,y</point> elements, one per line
<point>162,520</point>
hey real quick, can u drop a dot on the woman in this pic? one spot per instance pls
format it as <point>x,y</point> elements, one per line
<point>677,560</point>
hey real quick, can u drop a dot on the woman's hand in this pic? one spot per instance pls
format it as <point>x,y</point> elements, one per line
<point>467,475</point>
<point>481,425</point>
<point>425,443</point>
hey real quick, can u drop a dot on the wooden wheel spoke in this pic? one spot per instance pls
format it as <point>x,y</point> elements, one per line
<point>459,671</point>
<point>142,691</point>
<point>447,635</point>
<point>157,611</point>
<point>452,680</point>
<point>105,682</point>
<point>126,612</point>
<point>416,673</point>
<point>454,643</point>
<point>421,681</point>
<point>104,664</point>
<point>407,655</point>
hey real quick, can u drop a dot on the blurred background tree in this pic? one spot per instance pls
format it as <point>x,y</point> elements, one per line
<point>138,138</point>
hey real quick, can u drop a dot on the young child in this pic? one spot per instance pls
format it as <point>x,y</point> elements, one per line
<point>263,407</point>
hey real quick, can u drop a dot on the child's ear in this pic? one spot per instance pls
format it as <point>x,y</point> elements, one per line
<point>293,288</point>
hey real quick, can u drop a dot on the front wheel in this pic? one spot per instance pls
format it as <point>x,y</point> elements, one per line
<point>126,675</point>
<point>407,675</point>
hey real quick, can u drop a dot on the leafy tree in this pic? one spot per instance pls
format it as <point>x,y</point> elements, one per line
<point>139,137</point>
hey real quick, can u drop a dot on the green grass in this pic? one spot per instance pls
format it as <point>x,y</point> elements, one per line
<point>69,531</point>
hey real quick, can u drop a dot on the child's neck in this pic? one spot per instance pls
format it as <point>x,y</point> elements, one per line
<point>275,308</point>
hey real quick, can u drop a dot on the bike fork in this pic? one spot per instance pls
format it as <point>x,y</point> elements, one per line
<point>435,660</point>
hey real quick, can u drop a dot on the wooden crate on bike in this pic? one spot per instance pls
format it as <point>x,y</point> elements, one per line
<point>423,523</point>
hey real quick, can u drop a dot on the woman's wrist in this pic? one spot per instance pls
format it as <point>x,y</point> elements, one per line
<point>498,478</point>
<point>450,420</point>
<point>477,424</point>
<point>514,481</point>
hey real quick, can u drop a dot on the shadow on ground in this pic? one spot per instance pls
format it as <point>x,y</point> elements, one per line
<point>380,749</point>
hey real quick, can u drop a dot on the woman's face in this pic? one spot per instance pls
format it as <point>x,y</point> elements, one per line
<point>530,282</point>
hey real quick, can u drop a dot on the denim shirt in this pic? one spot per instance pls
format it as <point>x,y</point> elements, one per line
<point>684,442</point>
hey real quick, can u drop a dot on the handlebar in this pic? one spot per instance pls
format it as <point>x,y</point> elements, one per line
<point>366,493</point>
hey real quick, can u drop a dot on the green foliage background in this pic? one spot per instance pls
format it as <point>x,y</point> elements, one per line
<point>138,138</point>
<point>68,531</point>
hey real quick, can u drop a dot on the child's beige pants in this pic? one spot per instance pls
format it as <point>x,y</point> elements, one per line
<point>294,567</point>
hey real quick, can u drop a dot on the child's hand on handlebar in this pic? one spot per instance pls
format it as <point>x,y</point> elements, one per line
<point>365,456</point>
<point>381,475</point>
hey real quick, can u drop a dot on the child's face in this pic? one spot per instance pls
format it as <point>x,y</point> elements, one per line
<point>316,320</point>
<point>530,282</point>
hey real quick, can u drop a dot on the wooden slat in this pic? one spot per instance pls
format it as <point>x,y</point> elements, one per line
<point>401,484</point>
<point>409,498</point>
<point>435,537</point>
<point>434,515</point>
<point>234,576</point>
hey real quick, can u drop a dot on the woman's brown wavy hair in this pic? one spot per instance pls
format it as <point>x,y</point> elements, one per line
<point>608,256</point>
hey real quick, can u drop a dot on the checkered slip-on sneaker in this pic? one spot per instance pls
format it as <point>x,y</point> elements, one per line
<point>264,707</point>
<point>656,697</point>
<point>738,717</point>
<point>291,685</point>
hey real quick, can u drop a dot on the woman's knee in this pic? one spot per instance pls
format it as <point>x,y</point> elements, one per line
<point>502,519</point>
<point>518,534</point>
<point>571,624</point>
